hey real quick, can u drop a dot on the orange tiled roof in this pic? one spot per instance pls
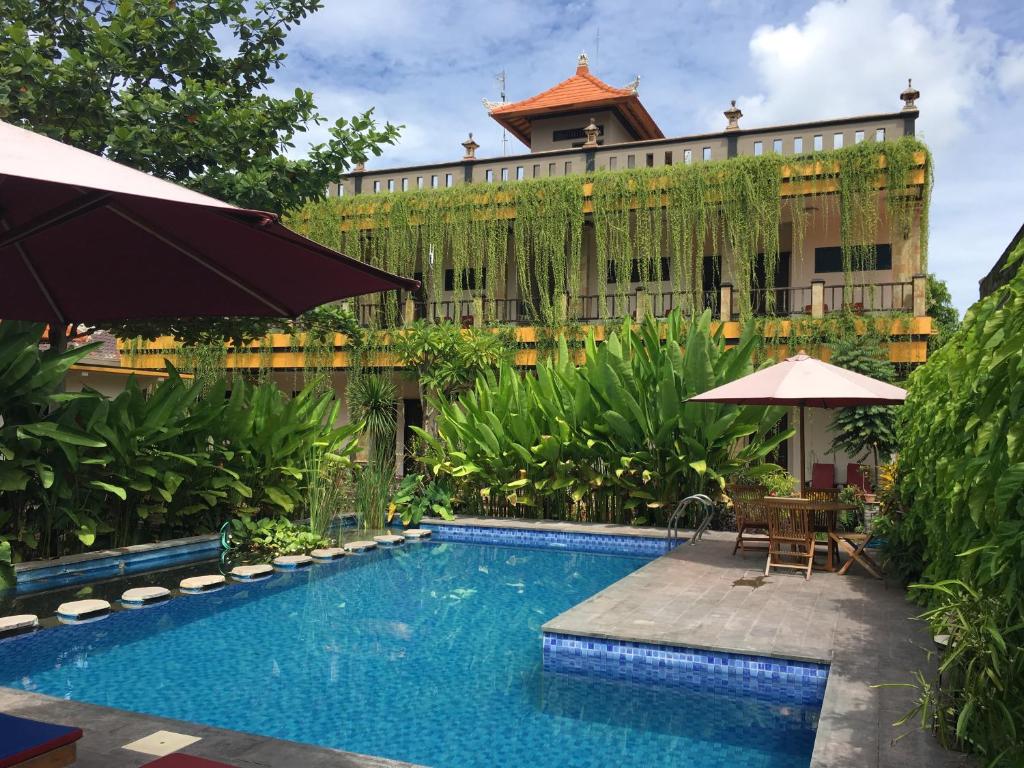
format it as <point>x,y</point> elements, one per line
<point>581,91</point>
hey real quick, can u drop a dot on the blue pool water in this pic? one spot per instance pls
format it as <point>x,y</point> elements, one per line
<point>430,654</point>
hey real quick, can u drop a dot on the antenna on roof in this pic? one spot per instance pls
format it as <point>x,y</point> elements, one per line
<point>597,47</point>
<point>502,79</point>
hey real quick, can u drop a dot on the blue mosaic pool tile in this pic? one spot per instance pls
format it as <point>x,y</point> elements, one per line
<point>763,677</point>
<point>573,542</point>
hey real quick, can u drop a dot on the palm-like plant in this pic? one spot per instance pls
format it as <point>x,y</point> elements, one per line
<point>612,438</point>
<point>372,401</point>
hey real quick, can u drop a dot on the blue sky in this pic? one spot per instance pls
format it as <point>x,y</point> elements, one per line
<point>427,65</point>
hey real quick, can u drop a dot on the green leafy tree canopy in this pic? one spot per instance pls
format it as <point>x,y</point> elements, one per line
<point>178,89</point>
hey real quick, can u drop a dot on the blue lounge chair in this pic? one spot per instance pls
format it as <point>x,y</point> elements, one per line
<point>23,740</point>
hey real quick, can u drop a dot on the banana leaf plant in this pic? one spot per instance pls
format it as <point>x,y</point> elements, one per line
<point>614,437</point>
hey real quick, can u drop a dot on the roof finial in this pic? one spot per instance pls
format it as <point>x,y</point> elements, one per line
<point>733,115</point>
<point>582,64</point>
<point>471,148</point>
<point>910,96</point>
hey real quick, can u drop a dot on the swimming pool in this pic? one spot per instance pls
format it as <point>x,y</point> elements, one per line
<point>430,653</point>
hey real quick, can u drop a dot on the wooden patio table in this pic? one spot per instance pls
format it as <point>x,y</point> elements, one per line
<point>826,517</point>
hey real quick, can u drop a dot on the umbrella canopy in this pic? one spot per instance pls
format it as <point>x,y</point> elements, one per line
<point>83,238</point>
<point>804,381</point>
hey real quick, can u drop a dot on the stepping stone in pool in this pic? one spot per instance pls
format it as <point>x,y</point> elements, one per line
<point>360,546</point>
<point>142,596</point>
<point>327,554</point>
<point>252,572</point>
<point>197,585</point>
<point>417,534</point>
<point>82,610</point>
<point>292,562</point>
<point>13,625</point>
<point>389,540</point>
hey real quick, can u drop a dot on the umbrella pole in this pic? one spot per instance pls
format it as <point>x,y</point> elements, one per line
<point>803,452</point>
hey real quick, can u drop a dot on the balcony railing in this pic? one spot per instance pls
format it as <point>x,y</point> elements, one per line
<point>815,300</point>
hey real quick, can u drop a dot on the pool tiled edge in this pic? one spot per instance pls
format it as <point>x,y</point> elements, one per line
<point>552,539</point>
<point>676,665</point>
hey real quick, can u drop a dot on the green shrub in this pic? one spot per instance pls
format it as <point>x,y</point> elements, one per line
<point>960,519</point>
<point>417,497</point>
<point>270,537</point>
<point>610,439</point>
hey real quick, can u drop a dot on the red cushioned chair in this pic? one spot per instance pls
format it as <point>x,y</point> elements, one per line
<point>823,476</point>
<point>32,742</point>
<point>859,476</point>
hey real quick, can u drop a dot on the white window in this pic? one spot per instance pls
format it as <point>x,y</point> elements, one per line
<point>687,156</point>
<point>376,186</point>
<point>777,146</point>
<point>798,144</point>
<point>449,180</point>
<point>391,185</point>
<point>837,141</point>
<point>489,175</point>
<point>758,148</point>
<point>706,153</point>
<point>858,137</point>
<point>819,142</point>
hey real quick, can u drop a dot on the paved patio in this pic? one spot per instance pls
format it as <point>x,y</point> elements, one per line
<point>107,730</point>
<point>701,596</point>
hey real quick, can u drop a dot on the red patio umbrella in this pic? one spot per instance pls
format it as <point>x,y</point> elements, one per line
<point>83,238</point>
<point>804,381</point>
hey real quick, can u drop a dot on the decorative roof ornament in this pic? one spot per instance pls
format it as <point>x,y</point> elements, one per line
<point>471,148</point>
<point>591,132</point>
<point>910,95</point>
<point>490,106</point>
<point>733,115</point>
<point>582,64</point>
<point>633,85</point>
<point>360,168</point>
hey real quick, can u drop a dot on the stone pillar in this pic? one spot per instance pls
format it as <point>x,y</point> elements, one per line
<point>643,304</point>
<point>725,303</point>
<point>563,307</point>
<point>817,298</point>
<point>920,294</point>
<point>478,311</point>
<point>409,310</point>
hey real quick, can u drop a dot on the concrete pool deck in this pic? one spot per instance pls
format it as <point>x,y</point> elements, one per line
<point>702,596</point>
<point>107,731</point>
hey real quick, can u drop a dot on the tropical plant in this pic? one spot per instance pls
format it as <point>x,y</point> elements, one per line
<point>942,312</point>
<point>416,496</point>
<point>977,699</point>
<point>372,492</point>
<point>372,401</point>
<point>446,359</point>
<point>959,522</point>
<point>610,438</point>
<point>778,483</point>
<point>273,536</point>
<point>869,427</point>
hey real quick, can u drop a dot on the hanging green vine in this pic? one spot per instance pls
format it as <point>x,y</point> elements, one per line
<point>681,213</point>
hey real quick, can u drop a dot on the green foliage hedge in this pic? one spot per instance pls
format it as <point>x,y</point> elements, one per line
<point>960,484</point>
<point>80,470</point>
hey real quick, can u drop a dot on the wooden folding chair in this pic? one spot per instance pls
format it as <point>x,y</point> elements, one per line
<point>855,545</point>
<point>750,516</point>
<point>790,538</point>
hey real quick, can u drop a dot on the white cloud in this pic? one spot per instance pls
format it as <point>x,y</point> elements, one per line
<point>427,65</point>
<point>852,57</point>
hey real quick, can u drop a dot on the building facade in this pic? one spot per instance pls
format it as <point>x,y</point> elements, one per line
<point>845,234</point>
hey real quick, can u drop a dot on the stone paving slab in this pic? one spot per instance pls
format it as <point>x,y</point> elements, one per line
<point>107,730</point>
<point>704,597</point>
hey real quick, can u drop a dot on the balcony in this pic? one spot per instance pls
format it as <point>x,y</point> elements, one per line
<point>812,301</point>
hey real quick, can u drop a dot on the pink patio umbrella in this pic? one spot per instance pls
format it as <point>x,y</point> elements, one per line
<point>804,381</point>
<point>83,238</point>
